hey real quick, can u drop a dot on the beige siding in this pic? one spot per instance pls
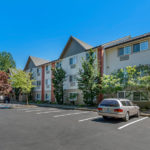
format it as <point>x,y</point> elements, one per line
<point>112,60</point>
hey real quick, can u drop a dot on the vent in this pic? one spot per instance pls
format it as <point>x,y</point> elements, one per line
<point>73,66</point>
<point>123,58</point>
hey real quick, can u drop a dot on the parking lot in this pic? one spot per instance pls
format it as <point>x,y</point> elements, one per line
<point>59,129</point>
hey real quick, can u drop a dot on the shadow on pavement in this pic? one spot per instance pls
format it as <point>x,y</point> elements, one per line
<point>109,120</point>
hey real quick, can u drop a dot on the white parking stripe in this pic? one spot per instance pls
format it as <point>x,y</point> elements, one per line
<point>33,110</point>
<point>47,112</point>
<point>131,123</point>
<point>70,114</point>
<point>88,119</point>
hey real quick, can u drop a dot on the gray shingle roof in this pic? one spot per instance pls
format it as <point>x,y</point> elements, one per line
<point>38,61</point>
<point>83,44</point>
<point>128,40</point>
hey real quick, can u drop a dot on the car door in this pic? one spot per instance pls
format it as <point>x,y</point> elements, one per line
<point>130,108</point>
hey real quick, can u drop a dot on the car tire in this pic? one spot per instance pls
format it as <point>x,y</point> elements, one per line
<point>105,118</point>
<point>138,114</point>
<point>127,117</point>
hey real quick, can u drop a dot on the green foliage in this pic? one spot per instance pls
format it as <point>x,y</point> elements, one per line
<point>59,76</point>
<point>135,78</point>
<point>6,61</point>
<point>111,84</point>
<point>89,79</point>
<point>21,80</point>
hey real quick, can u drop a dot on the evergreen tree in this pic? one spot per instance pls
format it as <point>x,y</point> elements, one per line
<point>89,78</point>
<point>59,76</point>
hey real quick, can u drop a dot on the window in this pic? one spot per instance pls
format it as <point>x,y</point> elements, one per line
<point>47,69</point>
<point>124,103</point>
<point>38,96</point>
<point>47,82</point>
<point>38,84</point>
<point>127,50</point>
<point>72,60</point>
<point>144,46</point>
<point>87,56</point>
<point>72,79</point>
<point>140,46</point>
<point>136,96</point>
<point>124,51</point>
<point>121,52</point>
<point>109,103</point>
<point>38,71</point>
<point>121,95</point>
<point>47,96</point>
<point>136,47</point>
<point>58,64</point>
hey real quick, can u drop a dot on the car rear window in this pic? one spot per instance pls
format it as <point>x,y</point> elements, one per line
<point>109,103</point>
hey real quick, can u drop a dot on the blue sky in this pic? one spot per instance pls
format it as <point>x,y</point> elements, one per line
<point>41,28</point>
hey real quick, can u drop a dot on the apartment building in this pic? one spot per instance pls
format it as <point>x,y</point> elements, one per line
<point>110,56</point>
<point>70,60</point>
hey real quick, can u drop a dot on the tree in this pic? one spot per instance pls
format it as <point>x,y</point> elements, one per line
<point>144,84</point>
<point>111,84</point>
<point>59,76</point>
<point>5,86</point>
<point>89,79</point>
<point>22,80</point>
<point>6,61</point>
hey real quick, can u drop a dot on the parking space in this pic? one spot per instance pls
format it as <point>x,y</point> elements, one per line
<point>52,128</point>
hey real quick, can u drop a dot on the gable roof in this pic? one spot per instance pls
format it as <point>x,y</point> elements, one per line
<point>36,61</point>
<point>81,43</point>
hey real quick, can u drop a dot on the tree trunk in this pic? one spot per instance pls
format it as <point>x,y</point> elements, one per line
<point>27,99</point>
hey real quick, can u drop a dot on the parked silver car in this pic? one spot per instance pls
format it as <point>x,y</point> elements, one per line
<point>118,108</point>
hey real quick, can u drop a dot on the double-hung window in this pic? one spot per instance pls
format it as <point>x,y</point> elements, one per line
<point>124,51</point>
<point>38,71</point>
<point>47,69</point>
<point>38,84</point>
<point>72,62</point>
<point>38,96</point>
<point>140,46</point>
<point>47,82</point>
<point>144,46</point>
<point>72,79</point>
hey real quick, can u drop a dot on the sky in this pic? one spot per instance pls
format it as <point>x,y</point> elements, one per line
<point>41,28</point>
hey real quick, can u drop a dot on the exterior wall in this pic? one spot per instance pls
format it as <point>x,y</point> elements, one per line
<point>112,60</point>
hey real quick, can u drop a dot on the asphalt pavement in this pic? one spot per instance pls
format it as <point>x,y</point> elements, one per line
<point>43,128</point>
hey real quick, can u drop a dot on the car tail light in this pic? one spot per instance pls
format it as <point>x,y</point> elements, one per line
<point>100,109</point>
<point>118,110</point>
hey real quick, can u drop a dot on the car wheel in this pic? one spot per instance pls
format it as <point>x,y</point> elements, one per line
<point>138,114</point>
<point>126,118</point>
<point>105,118</point>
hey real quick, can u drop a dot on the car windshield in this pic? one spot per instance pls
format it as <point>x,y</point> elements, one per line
<point>109,103</point>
